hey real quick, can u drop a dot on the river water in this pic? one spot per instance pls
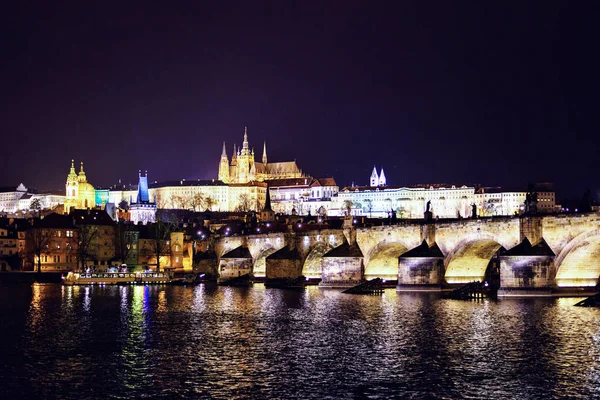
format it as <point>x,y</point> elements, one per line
<point>226,343</point>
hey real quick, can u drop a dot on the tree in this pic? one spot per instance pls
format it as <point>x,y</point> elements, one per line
<point>38,242</point>
<point>244,204</point>
<point>209,202</point>
<point>347,205</point>
<point>369,206</point>
<point>87,248</point>
<point>36,206</point>
<point>125,240</point>
<point>160,233</point>
<point>197,201</point>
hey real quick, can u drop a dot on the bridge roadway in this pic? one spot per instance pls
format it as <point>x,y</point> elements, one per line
<point>537,252</point>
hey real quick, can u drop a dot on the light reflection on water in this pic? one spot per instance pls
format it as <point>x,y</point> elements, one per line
<point>223,342</point>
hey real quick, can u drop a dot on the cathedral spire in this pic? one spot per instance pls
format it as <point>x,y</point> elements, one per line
<point>245,144</point>
<point>264,158</point>
<point>224,153</point>
<point>72,171</point>
<point>374,177</point>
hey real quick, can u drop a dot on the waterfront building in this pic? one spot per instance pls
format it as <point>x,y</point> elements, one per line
<point>243,168</point>
<point>79,193</point>
<point>53,241</point>
<point>96,246</point>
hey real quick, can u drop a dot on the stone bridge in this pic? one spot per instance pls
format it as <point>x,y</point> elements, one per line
<point>528,252</point>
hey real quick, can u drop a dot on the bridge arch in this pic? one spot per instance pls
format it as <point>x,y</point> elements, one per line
<point>260,261</point>
<point>470,259</point>
<point>382,261</point>
<point>312,266</point>
<point>578,264</point>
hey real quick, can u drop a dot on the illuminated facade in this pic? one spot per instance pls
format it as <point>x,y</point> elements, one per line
<point>243,168</point>
<point>143,210</point>
<point>79,193</point>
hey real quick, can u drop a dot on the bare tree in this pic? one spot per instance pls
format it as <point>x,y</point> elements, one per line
<point>347,205</point>
<point>209,202</point>
<point>125,240</point>
<point>244,203</point>
<point>369,206</point>
<point>87,248</point>
<point>197,201</point>
<point>39,242</point>
<point>160,234</point>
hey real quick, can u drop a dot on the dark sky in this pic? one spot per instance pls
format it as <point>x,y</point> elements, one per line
<point>496,94</point>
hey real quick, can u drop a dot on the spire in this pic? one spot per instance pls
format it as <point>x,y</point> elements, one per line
<point>224,153</point>
<point>264,158</point>
<point>81,176</point>
<point>234,153</point>
<point>72,167</point>
<point>268,201</point>
<point>245,144</point>
<point>382,181</point>
<point>374,177</point>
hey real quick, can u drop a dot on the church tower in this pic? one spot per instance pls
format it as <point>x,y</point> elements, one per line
<point>382,180</point>
<point>243,160</point>
<point>374,178</point>
<point>224,166</point>
<point>72,189</point>
<point>264,157</point>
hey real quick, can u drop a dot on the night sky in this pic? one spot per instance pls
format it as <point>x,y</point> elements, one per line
<point>495,94</point>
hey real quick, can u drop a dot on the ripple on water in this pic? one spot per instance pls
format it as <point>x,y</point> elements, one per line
<point>208,341</point>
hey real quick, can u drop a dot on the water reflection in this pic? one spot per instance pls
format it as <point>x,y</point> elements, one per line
<point>219,342</point>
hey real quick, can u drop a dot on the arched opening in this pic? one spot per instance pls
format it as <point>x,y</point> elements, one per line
<point>86,203</point>
<point>474,261</point>
<point>312,267</point>
<point>383,261</point>
<point>260,264</point>
<point>580,266</point>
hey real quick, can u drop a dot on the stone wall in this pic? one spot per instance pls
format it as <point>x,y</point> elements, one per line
<point>342,271</point>
<point>284,269</point>
<point>420,271</point>
<point>526,272</point>
<point>234,267</point>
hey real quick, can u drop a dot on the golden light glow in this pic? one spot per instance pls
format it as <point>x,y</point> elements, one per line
<point>470,262</point>
<point>581,267</point>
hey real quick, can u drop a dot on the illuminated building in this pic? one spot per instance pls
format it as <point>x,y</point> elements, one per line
<point>243,168</point>
<point>9,198</point>
<point>79,193</point>
<point>142,210</point>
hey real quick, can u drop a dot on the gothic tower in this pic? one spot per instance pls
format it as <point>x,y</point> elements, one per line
<point>374,178</point>
<point>264,157</point>
<point>243,160</point>
<point>382,180</point>
<point>224,166</point>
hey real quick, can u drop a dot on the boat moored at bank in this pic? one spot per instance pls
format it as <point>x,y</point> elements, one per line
<point>117,278</point>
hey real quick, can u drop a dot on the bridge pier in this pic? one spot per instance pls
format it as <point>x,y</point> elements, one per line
<point>343,267</point>
<point>421,269</point>
<point>283,266</point>
<point>527,270</point>
<point>236,263</point>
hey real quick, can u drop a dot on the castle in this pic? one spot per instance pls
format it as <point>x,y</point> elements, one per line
<point>243,168</point>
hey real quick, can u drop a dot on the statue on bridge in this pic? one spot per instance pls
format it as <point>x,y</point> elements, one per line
<point>428,215</point>
<point>531,201</point>
<point>473,210</point>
